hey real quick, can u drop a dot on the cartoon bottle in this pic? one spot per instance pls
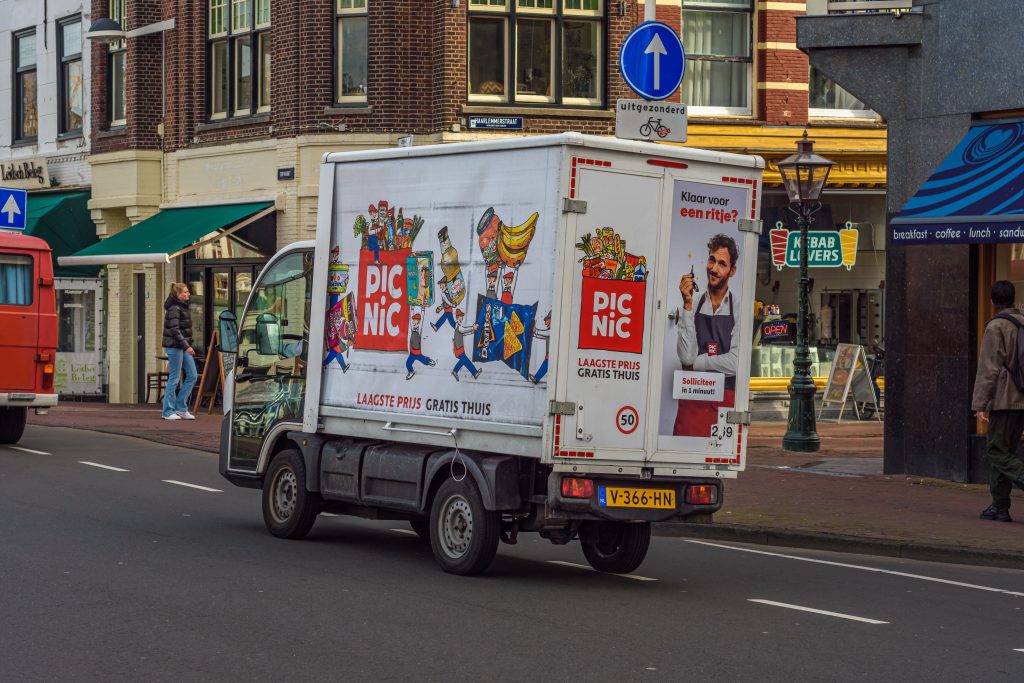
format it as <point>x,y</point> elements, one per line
<point>451,268</point>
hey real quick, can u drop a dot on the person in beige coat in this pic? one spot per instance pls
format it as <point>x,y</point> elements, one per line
<point>998,402</point>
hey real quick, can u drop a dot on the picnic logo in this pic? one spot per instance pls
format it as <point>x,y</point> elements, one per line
<point>613,294</point>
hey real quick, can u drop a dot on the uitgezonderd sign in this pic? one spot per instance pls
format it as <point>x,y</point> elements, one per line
<point>25,174</point>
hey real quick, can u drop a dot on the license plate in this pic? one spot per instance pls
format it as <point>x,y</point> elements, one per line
<point>629,497</point>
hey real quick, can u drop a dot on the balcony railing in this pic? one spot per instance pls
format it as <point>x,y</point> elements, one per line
<point>819,7</point>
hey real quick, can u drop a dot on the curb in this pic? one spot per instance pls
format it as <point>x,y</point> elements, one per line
<point>809,540</point>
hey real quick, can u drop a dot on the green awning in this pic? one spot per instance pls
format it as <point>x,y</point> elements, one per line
<point>62,220</point>
<point>169,233</point>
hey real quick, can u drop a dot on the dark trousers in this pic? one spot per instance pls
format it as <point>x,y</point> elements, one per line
<point>1004,432</point>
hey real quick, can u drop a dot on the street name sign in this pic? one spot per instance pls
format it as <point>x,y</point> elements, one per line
<point>652,60</point>
<point>13,208</point>
<point>643,120</point>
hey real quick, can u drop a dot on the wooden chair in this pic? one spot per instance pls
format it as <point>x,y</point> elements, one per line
<point>155,380</point>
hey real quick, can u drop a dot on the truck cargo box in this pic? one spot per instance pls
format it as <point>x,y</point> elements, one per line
<point>580,300</point>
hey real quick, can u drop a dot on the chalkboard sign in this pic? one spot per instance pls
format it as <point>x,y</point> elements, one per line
<point>212,379</point>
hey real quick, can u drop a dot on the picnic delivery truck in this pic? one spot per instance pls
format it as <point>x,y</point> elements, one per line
<point>545,334</point>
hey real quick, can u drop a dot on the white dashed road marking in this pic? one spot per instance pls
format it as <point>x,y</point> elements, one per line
<point>192,486</point>
<point>29,450</point>
<point>635,577</point>
<point>919,577</point>
<point>106,467</point>
<point>817,611</point>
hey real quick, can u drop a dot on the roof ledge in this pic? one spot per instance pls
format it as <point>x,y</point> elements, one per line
<point>858,30</point>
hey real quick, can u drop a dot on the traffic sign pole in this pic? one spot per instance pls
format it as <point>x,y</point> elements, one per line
<point>650,9</point>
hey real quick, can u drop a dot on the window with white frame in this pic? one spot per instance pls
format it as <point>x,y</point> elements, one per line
<point>70,82</point>
<point>536,51</point>
<point>26,103</point>
<point>717,38</point>
<point>827,99</point>
<point>351,63</point>
<point>117,71</point>
<point>239,57</point>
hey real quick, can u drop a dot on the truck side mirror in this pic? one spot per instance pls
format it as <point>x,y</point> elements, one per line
<point>268,335</point>
<point>228,332</point>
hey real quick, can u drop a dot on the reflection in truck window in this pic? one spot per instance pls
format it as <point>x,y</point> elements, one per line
<point>15,280</point>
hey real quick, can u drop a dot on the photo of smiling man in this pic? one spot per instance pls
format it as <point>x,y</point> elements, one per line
<point>705,293</point>
<point>706,338</point>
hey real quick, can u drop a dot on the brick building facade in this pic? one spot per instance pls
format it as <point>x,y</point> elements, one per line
<point>182,143</point>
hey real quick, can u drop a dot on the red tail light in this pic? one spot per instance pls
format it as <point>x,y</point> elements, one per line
<point>48,376</point>
<point>702,494</point>
<point>577,488</point>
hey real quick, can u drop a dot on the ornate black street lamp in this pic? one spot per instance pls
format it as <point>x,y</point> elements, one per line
<point>803,176</point>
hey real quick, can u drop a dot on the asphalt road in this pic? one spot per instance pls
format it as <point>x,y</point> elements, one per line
<point>123,574</point>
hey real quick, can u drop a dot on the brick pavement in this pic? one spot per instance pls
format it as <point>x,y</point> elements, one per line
<point>835,499</point>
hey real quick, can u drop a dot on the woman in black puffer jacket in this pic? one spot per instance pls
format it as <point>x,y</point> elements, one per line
<point>178,342</point>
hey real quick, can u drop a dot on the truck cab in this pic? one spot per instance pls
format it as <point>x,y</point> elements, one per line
<point>28,332</point>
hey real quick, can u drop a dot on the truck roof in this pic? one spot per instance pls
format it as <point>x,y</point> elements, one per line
<point>17,240</point>
<point>561,139</point>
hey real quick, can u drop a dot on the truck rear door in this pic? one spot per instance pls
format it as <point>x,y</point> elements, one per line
<point>608,369</point>
<point>19,320</point>
<point>651,377</point>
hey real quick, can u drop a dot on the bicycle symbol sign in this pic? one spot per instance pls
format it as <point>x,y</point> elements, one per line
<point>653,126</point>
<point>643,120</point>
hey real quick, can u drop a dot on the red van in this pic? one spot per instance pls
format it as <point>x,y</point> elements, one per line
<point>28,331</point>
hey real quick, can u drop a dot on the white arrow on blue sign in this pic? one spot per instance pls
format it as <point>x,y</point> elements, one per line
<point>652,60</point>
<point>13,208</point>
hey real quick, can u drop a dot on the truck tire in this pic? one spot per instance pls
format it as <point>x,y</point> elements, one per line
<point>618,547</point>
<point>12,424</point>
<point>463,534</point>
<point>289,510</point>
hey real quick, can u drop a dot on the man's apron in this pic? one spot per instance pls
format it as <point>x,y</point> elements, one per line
<point>714,332</point>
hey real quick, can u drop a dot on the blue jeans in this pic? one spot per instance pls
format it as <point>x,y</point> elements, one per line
<point>464,362</point>
<point>175,401</point>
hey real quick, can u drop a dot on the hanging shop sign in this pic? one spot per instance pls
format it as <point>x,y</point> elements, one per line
<point>825,248</point>
<point>778,331</point>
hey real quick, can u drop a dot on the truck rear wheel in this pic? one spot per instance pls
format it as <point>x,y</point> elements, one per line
<point>289,510</point>
<point>617,547</point>
<point>463,534</point>
<point>12,424</point>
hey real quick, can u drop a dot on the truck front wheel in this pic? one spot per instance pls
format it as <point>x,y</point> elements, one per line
<point>289,510</point>
<point>12,424</point>
<point>616,547</point>
<point>463,534</point>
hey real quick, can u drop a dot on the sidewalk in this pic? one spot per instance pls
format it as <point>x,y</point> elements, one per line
<point>835,499</point>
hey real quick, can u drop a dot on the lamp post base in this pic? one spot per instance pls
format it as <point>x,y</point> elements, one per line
<point>801,432</point>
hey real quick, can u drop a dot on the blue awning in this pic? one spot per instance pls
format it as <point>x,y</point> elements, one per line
<point>976,196</point>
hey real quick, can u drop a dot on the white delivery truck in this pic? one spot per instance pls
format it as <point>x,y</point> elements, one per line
<point>546,334</point>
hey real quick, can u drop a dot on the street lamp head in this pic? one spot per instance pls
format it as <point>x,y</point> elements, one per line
<point>105,30</point>
<point>804,173</point>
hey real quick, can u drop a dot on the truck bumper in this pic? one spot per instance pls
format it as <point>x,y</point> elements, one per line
<point>600,506</point>
<point>27,399</point>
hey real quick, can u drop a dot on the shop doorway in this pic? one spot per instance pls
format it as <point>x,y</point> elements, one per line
<point>216,288</point>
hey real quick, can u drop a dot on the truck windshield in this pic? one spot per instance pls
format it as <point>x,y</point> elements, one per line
<point>15,280</point>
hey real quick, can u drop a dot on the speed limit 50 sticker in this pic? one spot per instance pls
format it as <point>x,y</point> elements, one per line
<point>627,419</point>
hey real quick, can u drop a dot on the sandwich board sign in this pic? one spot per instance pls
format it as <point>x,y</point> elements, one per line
<point>849,372</point>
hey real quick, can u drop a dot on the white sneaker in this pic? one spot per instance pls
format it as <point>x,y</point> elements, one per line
<point>172,416</point>
<point>186,415</point>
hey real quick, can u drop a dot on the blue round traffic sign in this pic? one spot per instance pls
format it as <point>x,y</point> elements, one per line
<point>652,60</point>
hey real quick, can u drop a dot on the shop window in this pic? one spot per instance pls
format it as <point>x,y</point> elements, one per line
<point>15,280</point>
<point>827,99</point>
<point>717,40</point>
<point>239,57</point>
<point>536,51</point>
<point>26,110</point>
<point>76,320</point>
<point>69,79</point>
<point>351,45</point>
<point>117,72</point>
